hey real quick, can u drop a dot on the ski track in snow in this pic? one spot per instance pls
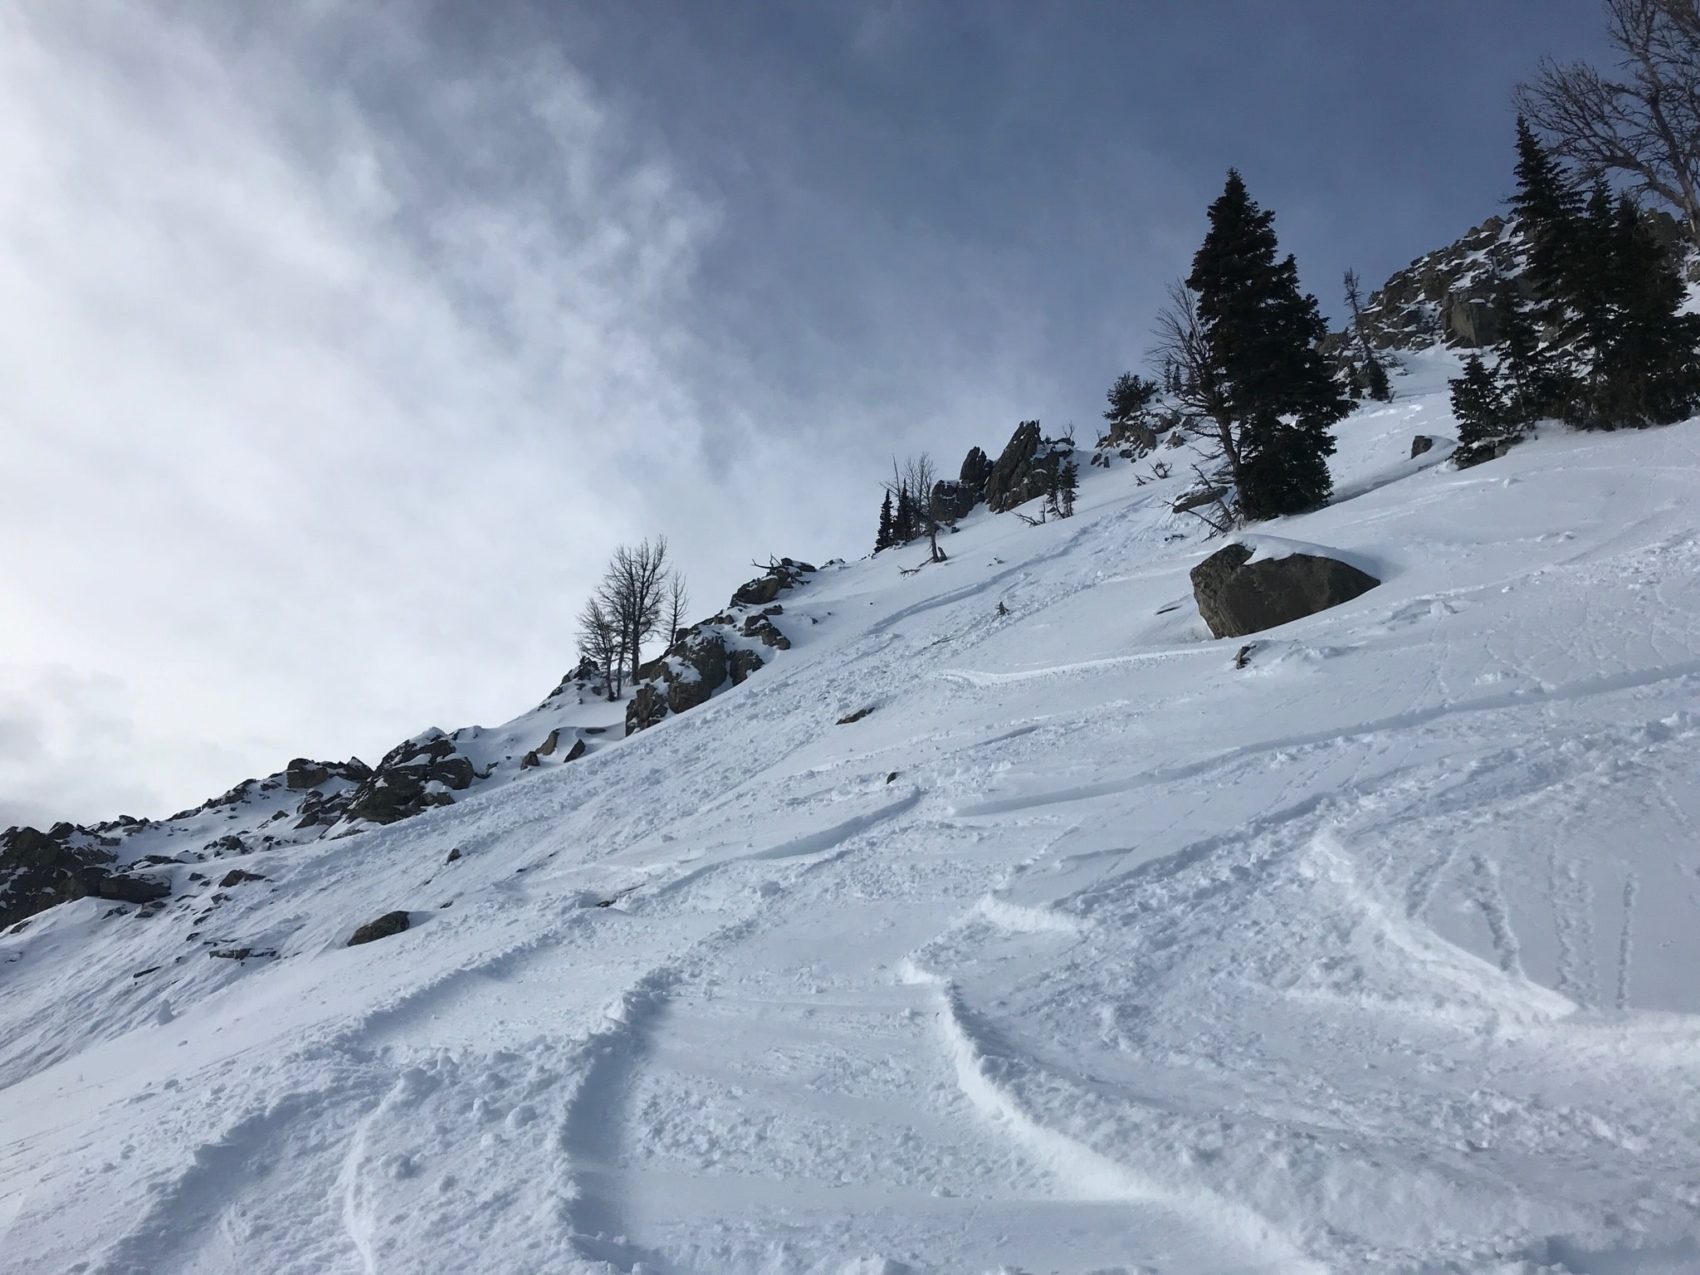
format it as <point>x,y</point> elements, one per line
<point>1085,951</point>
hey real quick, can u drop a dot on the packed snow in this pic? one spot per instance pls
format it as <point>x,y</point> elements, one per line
<point>1084,951</point>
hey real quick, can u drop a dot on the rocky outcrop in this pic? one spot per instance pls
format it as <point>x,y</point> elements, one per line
<point>976,468</point>
<point>413,776</point>
<point>711,654</point>
<point>39,870</point>
<point>952,500</point>
<point>1448,295</point>
<point>1237,596</point>
<point>1026,469</point>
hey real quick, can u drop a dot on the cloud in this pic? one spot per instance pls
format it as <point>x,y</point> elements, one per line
<point>330,378</point>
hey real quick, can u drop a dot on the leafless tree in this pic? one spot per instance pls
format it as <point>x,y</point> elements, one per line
<point>599,640</point>
<point>915,478</point>
<point>1642,123</point>
<point>1182,347</point>
<point>632,595</point>
<point>678,598</point>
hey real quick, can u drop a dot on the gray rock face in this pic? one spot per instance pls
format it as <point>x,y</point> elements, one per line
<point>39,870</point>
<point>952,500</point>
<point>387,924</point>
<point>1236,596</point>
<point>1026,468</point>
<point>1420,444</point>
<point>976,468</point>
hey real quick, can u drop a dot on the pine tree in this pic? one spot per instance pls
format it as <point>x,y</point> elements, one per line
<point>882,540</point>
<point>1375,382</point>
<point>1483,422</point>
<point>903,524</point>
<point>1068,482</point>
<point>1547,209</point>
<point>1649,370</point>
<point>1263,336</point>
<point>1532,387</point>
<point>1129,398</point>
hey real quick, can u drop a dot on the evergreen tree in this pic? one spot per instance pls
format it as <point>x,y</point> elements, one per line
<point>883,540</point>
<point>1375,382</point>
<point>1129,398</point>
<point>1547,209</point>
<point>1263,336</point>
<point>1648,370</point>
<point>903,523</point>
<point>1483,422</point>
<point>1068,482</point>
<point>1532,387</point>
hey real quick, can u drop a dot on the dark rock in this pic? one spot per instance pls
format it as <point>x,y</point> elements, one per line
<point>243,953</point>
<point>976,468</point>
<point>387,924</point>
<point>453,855</point>
<point>1197,498</point>
<point>1237,596</point>
<point>760,626</point>
<point>857,716</point>
<point>1420,444</point>
<point>41,870</point>
<point>648,707</point>
<point>742,664</point>
<point>302,774</point>
<point>891,778</point>
<point>529,760</point>
<point>952,500</point>
<point>1026,469</point>
<point>575,752</point>
<point>236,877</point>
<point>401,786</point>
<point>547,747</point>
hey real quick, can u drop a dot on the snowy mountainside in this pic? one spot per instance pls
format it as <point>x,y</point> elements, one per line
<point>1084,950</point>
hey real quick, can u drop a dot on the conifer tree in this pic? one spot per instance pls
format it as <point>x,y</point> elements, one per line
<point>1068,482</point>
<point>1529,383</point>
<point>1483,423</point>
<point>882,540</point>
<point>1547,208</point>
<point>1263,336</point>
<point>1129,398</point>
<point>1373,380</point>
<point>1649,371</point>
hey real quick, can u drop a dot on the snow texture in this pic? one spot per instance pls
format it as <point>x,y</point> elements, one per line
<point>1085,951</point>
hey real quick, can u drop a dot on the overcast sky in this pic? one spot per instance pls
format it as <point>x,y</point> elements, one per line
<point>340,342</point>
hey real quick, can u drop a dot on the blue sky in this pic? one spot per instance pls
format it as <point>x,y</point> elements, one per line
<point>340,343</point>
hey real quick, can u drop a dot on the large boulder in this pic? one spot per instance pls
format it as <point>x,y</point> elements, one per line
<point>1237,596</point>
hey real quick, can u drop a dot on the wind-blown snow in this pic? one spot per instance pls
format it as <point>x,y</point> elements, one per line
<point>1085,950</point>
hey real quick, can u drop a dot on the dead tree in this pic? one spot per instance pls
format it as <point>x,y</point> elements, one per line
<point>678,598</point>
<point>631,595</point>
<point>1183,348</point>
<point>599,641</point>
<point>913,480</point>
<point>1643,123</point>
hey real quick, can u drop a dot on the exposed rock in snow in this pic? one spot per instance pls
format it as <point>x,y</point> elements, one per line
<point>1237,595</point>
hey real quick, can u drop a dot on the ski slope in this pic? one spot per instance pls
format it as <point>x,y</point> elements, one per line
<point>1083,951</point>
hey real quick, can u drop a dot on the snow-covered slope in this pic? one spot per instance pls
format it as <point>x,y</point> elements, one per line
<point>1084,950</point>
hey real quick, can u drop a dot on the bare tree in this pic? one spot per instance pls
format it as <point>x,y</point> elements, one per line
<point>599,641</point>
<point>631,595</point>
<point>1184,350</point>
<point>678,598</point>
<point>914,479</point>
<point>1642,124</point>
